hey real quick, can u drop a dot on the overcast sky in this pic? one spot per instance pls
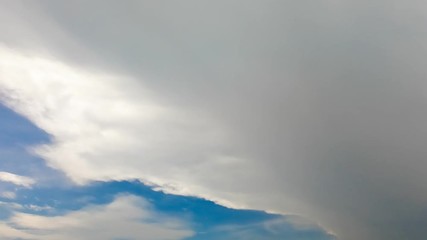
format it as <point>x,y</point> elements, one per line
<point>309,108</point>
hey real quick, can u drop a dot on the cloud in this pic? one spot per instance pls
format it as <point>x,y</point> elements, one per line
<point>9,195</point>
<point>309,108</point>
<point>207,219</point>
<point>272,229</point>
<point>127,217</point>
<point>16,179</point>
<point>121,116</point>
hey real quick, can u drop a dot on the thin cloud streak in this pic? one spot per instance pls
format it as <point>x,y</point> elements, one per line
<point>17,179</point>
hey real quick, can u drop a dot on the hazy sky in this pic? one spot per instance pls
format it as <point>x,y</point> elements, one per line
<point>312,108</point>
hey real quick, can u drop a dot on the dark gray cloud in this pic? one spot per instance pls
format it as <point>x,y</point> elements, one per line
<point>326,98</point>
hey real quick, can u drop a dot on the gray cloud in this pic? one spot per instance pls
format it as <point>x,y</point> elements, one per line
<point>323,100</point>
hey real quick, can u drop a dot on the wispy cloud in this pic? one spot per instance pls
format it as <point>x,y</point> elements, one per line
<point>127,217</point>
<point>17,179</point>
<point>8,194</point>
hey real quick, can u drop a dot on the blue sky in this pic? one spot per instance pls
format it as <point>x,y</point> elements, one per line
<point>18,135</point>
<point>52,196</point>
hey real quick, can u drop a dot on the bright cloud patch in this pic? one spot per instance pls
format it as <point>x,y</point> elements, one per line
<point>16,179</point>
<point>111,127</point>
<point>127,217</point>
<point>97,119</point>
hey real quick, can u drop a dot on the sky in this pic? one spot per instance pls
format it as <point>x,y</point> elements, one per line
<point>48,205</point>
<point>213,119</point>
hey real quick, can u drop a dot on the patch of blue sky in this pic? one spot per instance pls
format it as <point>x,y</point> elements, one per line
<point>208,220</point>
<point>17,131</point>
<point>17,136</point>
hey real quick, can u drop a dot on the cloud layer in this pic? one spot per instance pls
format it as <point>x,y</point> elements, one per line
<point>312,108</point>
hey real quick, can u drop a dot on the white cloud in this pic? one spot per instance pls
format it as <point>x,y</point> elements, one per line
<point>127,217</point>
<point>8,194</point>
<point>38,208</point>
<point>110,127</point>
<point>11,205</point>
<point>16,179</point>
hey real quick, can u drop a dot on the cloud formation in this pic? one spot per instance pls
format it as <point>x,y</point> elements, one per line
<point>311,108</point>
<point>16,179</point>
<point>127,217</point>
